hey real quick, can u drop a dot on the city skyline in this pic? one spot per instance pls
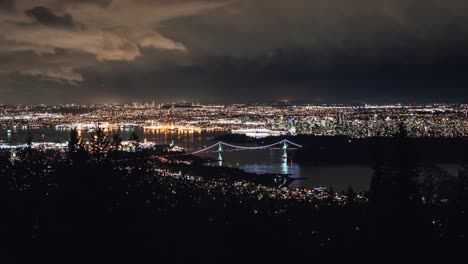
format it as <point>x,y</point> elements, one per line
<point>215,51</point>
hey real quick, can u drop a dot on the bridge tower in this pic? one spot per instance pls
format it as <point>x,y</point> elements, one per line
<point>220,156</point>
<point>285,151</point>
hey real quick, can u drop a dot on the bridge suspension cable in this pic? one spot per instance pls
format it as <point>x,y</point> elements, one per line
<point>247,148</point>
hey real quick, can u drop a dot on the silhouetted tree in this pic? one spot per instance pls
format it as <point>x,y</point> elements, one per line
<point>76,149</point>
<point>99,142</point>
<point>351,195</point>
<point>394,181</point>
<point>116,141</point>
<point>135,140</point>
<point>402,132</point>
<point>134,137</point>
<point>394,194</point>
<point>116,145</point>
<point>74,141</point>
<point>331,194</point>
<point>29,140</point>
<point>28,151</point>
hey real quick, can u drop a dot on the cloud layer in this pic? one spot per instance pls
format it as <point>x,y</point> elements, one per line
<point>234,50</point>
<point>109,30</point>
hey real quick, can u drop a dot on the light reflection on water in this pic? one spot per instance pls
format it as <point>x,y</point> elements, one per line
<point>257,161</point>
<point>340,177</point>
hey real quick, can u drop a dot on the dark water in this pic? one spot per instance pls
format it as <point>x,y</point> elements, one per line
<point>340,177</point>
<point>191,142</point>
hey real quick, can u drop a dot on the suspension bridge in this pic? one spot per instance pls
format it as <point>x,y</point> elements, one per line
<point>221,147</point>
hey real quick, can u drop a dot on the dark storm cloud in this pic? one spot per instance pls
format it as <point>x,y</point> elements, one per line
<point>46,17</point>
<point>289,75</point>
<point>7,5</point>
<point>330,28</point>
<point>102,3</point>
<point>339,50</point>
<point>240,50</point>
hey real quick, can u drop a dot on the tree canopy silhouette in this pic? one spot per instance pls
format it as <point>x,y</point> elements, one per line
<point>99,143</point>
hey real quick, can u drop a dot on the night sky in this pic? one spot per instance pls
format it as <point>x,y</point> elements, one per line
<point>228,51</point>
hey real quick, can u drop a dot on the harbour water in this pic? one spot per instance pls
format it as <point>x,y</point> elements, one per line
<point>340,177</point>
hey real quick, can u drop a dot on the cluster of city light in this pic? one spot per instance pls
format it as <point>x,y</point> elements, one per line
<point>435,120</point>
<point>258,191</point>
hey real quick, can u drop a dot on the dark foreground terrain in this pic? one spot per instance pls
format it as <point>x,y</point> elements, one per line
<point>110,207</point>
